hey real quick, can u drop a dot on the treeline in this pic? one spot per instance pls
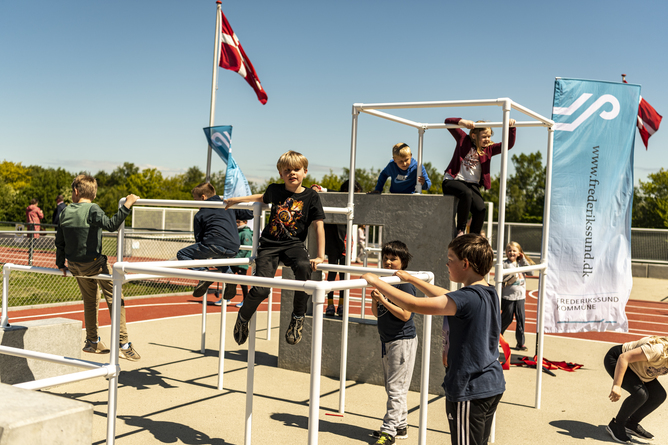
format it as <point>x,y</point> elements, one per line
<point>525,189</point>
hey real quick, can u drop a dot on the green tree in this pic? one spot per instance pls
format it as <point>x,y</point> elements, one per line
<point>366,178</point>
<point>436,179</point>
<point>650,201</point>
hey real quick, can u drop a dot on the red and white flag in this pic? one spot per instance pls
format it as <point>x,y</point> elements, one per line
<point>648,119</point>
<point>234,58</point>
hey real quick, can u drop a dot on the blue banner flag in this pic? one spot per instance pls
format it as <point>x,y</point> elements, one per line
<point>220,140</point>
<point>589,254</point>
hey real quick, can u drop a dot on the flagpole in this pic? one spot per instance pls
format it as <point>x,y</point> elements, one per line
<point>214,81</point>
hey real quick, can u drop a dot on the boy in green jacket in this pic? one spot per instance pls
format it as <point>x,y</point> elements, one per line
<point>79,241</point>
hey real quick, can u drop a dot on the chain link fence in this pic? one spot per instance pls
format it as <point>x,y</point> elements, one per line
<point>38,249</point>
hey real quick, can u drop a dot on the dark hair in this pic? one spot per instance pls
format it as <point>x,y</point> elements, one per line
<point>476,249</point>
<point>34,201</point>
<point>204,188</point>
<point>398,249</point>
<point>346,186</point>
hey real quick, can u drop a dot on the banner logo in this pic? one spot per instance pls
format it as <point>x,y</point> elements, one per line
<point>567,111</point>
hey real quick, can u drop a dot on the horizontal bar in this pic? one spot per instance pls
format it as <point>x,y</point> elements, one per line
<point>193,204</point>
<point>433,104</point>
<point>67,378</point>
<point>393,118</point>
<point>488,125</point>
<point>539,266</point>
<point>18,352</point>
<point>326,267</point>
<point>197,263</point>
<point>337,210</point>
<point>531,113</point>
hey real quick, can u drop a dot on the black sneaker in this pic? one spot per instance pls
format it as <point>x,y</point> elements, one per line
<point>638,431</point>
<point>402,433</point>
<point>294,333</point>
<point>617,432</point>
<point>201,288</point>
<point>240,330</point>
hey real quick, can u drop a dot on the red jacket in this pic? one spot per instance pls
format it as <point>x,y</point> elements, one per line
<point>464,145</point>
<point>33,215</point>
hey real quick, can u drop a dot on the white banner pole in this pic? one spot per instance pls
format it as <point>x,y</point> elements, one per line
<point>214,83</point>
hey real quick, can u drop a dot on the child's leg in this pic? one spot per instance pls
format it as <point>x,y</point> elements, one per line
<point>506,314</point>
<point>459,190</point>
<point>266,264</point>
<point>108,292</point>
<point>398,363</point>
<point>297,259</point>
<point>471,421</point>
<point>478,209</point>
<point>89,296</point>
<point>519,322</point>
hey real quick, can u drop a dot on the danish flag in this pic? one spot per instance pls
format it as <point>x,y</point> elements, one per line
<point>234,58</point>
<point>648,119</point>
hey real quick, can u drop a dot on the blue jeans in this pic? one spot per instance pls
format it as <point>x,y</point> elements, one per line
<point>199,251</point>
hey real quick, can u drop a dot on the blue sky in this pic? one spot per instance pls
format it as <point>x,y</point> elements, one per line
<point>88,85</point>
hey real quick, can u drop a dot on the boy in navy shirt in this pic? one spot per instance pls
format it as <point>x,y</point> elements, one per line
<point>215,231</point>
<point>399,346</point>
<point>402,171</point>
<point>474,381</point>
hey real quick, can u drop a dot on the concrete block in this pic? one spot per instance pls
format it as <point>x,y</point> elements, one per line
<point>33,417</point>
<point>364,348</point>
<point>657,271</point>
<point>639,270</point>
<point>59,336</point>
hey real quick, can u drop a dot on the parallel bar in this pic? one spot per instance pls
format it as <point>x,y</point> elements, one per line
<point>44,356</point>
<point>389,117</point>
<point>67,378</point>
<point>432,104</point>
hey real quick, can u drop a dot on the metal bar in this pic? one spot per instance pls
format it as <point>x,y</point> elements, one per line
<point>424,381</point>
<point>44,356</point>
<point>67,378</point>
<point>440,126</point>
<point>250,377</point>
<point>112,405</point>
<point>221,348</point>
<point>390,117</point>
<point>431,104</point>
<point>319,300</point>
<point>418,186</point>
<point>214,84</point>
<point>6,270</point>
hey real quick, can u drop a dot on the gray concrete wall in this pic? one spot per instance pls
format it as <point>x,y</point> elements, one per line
<point>426,224</point>
<point>32,417</point>
<point>59,336</point>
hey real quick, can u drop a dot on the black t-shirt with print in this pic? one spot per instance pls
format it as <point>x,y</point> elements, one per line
<point>291,213</point>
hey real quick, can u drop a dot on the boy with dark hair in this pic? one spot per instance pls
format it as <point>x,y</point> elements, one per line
<point>215,231</point>
<point>293,209</point>
<point>398,346</point>
<point>474,381</point>
<point>79,241</point>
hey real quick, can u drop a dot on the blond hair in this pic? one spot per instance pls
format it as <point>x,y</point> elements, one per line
<point>205,188</point>
<point>86,185</point>
<point>401,150</point>
<point>292,160</point>
<point>518,247</point>
<point>656,340</point>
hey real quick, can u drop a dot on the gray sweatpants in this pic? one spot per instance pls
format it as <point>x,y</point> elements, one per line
<point>398,363</point>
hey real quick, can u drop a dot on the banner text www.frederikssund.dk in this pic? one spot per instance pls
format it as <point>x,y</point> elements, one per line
<point>588,260</point>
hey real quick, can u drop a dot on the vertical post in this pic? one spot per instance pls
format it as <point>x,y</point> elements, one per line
<point>498,271</point>
<point>214,83</point>
<point>118,276</point>
<point>424,382</point>
<point>418,186</point>
<point>221,348</point>
<point>317,310</point>
<point>540,316</point>
<point>4,322</point>
<point>31,245</point>
<point>205,302</point>
<point>316,365</point>
<point>250,376</point>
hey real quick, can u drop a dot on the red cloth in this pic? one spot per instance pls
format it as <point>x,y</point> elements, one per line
<point>549,364</point>
<point>234,58</point>
<point>506,351</point>
<point>33,215</point>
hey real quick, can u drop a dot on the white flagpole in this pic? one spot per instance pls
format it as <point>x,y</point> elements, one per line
<point>214,82</point>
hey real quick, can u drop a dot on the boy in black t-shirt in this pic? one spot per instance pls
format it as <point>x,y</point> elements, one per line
<point>398,347</point>
<point>474,381</point>
<point>294,208</point>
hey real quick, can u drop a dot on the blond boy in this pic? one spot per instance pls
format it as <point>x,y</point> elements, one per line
<point>294,208</point>
<point>402,171</point>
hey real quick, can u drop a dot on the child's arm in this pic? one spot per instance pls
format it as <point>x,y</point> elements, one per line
<point>401,314</point>
<point>374,302</point>
<point>437,304</point>
<point>320,233</point>
<point>382,178</point>
<point>229,202</point>
<point>424,179</point>
<point>634,355</point>
<point>98,218</point>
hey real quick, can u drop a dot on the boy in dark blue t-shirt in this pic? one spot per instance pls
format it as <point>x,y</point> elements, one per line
<point>474,381</point>
<point>399,346</point>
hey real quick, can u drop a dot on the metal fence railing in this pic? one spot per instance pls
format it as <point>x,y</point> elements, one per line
<point>19,247</point>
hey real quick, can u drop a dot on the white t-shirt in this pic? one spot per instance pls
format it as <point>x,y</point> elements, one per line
<point>655,365</point>
<point>470,170</point>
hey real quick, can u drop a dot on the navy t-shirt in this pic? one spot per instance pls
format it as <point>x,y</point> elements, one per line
<point>291,213</point>
<point>392,328</point>
<point>474,371</point>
